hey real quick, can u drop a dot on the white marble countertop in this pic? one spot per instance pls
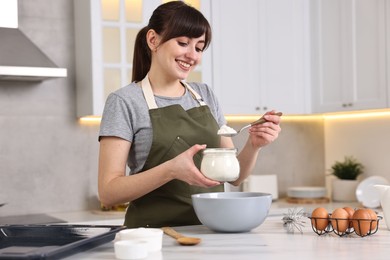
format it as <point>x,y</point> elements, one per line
<point>95,217</point>
<point>268,241</point>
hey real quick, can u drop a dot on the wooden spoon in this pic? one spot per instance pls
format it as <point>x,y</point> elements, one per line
<point>181,239</point>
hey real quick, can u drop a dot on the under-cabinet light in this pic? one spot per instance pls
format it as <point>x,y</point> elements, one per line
<point>285,118</point>
<point>251,118</point>
<point>358,114</point>
<point>90,120</point>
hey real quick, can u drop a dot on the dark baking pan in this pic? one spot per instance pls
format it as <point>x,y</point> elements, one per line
<point>51,241</point>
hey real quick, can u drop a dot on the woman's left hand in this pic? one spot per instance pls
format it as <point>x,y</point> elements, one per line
<point>262,134</point>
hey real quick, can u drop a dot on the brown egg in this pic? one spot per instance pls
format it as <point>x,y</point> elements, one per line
<point>339,220</point>
<point>374,219</point>
<point>320,219</point>
<point>350,214</point>
<point>361,222</point>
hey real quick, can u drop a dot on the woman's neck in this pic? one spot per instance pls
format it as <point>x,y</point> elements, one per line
<point>162,86</point>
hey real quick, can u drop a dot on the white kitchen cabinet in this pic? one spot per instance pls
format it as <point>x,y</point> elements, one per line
<point>349,55</point>
<point>260,55</point>
<point>105,32</point>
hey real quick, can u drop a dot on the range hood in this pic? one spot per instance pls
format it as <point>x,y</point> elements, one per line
<point>20,58</point>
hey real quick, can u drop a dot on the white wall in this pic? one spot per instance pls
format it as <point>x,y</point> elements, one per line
<point>296,157</point>
<point>365,138</point>
<point>48,161</point>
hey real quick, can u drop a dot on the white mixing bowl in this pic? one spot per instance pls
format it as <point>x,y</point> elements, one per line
<point>232,211</point>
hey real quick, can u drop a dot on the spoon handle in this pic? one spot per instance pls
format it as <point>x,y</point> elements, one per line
<point>171,232</point>
<point>263,120</point>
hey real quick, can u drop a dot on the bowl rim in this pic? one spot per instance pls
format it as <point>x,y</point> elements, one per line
<point>252,194</point>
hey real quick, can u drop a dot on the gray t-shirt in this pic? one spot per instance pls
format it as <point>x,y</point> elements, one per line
<point>126,115</point>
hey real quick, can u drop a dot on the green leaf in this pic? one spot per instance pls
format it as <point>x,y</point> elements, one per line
<point>349,169</point>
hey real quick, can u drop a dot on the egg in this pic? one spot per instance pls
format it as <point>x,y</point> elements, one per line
<point>339,220</point>
<point>374,219</point>
<point>361,222</point>
<point>350,214</point>
<point>320,219</point>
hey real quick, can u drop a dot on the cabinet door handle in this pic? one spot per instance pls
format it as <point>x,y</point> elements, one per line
<point>259,108</point>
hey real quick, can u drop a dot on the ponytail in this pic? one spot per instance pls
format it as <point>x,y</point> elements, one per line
<point>142,56</point>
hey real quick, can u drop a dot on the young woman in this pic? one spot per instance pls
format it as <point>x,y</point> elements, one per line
<point>159,124</point>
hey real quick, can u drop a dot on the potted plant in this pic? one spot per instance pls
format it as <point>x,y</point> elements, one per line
<point>347,172</point>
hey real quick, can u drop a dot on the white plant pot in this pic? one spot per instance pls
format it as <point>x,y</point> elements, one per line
<point>344,190</point>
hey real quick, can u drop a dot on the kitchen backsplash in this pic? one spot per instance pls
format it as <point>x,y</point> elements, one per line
<point>296,157</point>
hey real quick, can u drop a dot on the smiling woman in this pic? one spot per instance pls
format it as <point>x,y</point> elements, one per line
<point>160,123</point>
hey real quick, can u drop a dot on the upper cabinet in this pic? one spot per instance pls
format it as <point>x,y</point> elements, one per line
<point>348,55</point>
<point>294,56</point>
<point>261,55</point>
<point>105,32</point>
<point>301,56</point>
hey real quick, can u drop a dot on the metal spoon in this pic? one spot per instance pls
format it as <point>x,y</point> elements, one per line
<point>181,239</point>
<point>258,121</point>
<point>2,204</point>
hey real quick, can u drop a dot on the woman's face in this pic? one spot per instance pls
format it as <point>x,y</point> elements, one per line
<point>179,56</point>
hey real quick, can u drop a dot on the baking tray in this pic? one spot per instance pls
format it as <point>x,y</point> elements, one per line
<point>52,241</point>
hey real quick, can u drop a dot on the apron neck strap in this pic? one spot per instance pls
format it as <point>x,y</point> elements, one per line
<point>194,94</point>
<point>148,93</point>
<point>149,96</point>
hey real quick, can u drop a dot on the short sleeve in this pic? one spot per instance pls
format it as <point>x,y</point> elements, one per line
<point>116,119</point>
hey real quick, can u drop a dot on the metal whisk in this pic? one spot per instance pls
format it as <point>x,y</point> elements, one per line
<point>292,220</point>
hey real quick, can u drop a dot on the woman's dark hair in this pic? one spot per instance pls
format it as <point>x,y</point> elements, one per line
<point>169,20</point>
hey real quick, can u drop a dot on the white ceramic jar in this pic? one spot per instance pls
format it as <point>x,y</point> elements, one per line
<point>152,236</point>
<point>127,249</point>
<point>220,164</point>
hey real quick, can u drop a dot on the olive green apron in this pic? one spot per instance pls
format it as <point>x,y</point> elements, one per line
<point>174,131</point>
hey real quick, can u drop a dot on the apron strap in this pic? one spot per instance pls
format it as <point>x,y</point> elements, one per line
<point>148,93</point>
<point>194,94</point>
<point>149,96</point>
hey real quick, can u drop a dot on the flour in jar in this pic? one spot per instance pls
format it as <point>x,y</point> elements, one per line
<point>220,164</point>
<point>226,130</point>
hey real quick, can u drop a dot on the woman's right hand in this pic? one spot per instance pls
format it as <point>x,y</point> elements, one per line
<point>184,169</point>
<point>116,187</point>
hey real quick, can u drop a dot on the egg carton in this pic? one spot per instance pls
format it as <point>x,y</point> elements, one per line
<point>366,227</point>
